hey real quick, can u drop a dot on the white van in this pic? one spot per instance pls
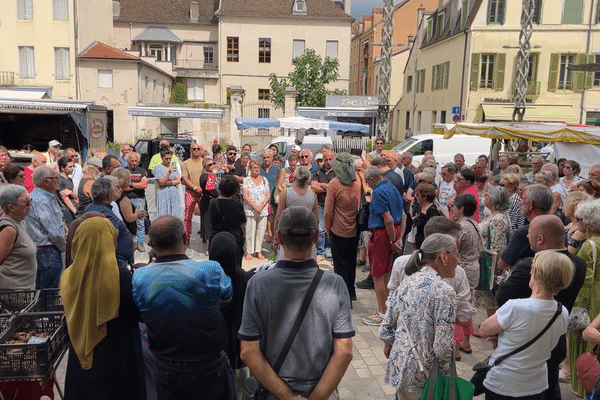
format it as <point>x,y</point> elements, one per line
<point>284,145</point>
<point>445,149</point>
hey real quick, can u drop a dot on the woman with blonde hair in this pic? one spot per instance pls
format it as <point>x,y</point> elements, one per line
<point>525,375</point>
<point>256,194</point>
<point>575,237</point>
<point>511,183</point>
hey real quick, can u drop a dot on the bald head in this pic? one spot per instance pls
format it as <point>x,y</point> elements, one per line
<point>546,232</point>
<point>38,161</point>
<point>168,236</point>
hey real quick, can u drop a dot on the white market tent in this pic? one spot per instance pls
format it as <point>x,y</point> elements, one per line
<point>299,123</point>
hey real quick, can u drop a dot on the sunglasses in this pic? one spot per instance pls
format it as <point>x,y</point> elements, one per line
<point>195,148</point>
<point>304,156</point>
<point>232,153</point>
<point>210,164</point>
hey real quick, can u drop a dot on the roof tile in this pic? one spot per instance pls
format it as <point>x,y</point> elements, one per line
<point>282,8</point>
<point>166,11</point>
<point>104,51</point>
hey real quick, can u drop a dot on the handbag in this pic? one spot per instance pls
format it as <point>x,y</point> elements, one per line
<point>253,390</point>
<point>481,369</point>
<point>579,318</point>
<point>588,369</point>
<point>362,218</point>
<point>446,387</point>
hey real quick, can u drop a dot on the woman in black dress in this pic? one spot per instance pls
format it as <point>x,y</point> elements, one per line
<point>209,185</point>
<point>66,193</point>
<point>105,355</point>
<point>227,213</point>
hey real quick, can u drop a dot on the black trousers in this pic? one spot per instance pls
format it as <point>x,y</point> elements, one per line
<point>343,253</point>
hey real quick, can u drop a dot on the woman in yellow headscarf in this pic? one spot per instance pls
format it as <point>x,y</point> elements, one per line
<point>105,358</point>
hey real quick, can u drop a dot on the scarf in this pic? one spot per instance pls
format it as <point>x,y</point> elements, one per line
<point>343,166</point>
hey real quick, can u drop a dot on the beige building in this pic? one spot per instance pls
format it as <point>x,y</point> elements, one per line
<point>461,58</point>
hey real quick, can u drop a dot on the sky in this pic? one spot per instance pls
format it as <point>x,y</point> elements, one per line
<point>363,7</point>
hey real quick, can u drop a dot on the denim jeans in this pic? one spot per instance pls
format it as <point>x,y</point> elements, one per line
<point>49,267</point>
<point>141,204</point>
<point>195,380</point>
<point>323,238</point>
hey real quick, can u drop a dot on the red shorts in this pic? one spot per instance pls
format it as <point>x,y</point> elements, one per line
<point>381,255</point>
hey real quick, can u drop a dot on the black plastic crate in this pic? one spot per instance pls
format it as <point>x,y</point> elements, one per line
<point>47,300</point>
<point>32,361</point>
<point>14,301</point>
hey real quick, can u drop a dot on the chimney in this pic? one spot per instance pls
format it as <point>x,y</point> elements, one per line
<point>194,11</point>
<point>116,9</point>
<point>347,6</point>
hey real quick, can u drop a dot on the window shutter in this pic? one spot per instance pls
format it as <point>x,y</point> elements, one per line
<point>589,76</point>
<point>475,71</point>
<point>501,11</point>
<point>423,80</point>
<point>579,77</point>
<point>433,72</point>
<point>465,13</point>
<point>553,75</point>
<point>446,74</point>
<point>499,72</point>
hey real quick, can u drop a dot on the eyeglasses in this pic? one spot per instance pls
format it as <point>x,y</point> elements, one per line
<point>378,142</point>
<point>210,164</point>
<point>27,202</point>
<point>304,156</point>
<point>195,148</point>
<point>232,153</point>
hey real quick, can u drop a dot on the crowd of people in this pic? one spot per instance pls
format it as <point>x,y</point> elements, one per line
<point>182,328</point>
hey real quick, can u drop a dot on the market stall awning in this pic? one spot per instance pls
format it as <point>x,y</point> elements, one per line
<point>299,123</point>
<point>25,94</point>
<point>545,132</point>
<point>533,113</point>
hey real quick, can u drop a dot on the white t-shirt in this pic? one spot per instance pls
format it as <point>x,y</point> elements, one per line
<point>446,193</point>
<point>525,373</point>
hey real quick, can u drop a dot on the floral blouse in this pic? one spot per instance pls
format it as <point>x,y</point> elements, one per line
<point>257,194</point>
<point>498,229</point>
<point>427,304</point>
<point>469,246</point>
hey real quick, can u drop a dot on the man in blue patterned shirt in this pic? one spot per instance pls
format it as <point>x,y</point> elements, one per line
<point>46,227</point>
<point>179,301</point>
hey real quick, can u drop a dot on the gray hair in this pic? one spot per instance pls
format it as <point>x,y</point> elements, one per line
<point>432,246</point>
<point>538,157</point>
<point>129,155</point>
<point>441,225</point>
<point>308,151</point>
<point>40,173</point>
<point>302,175</point>
<point>166,235</point>
<point>546,175</point>
<point>9,194</point>
<point>589,213</point>
<point>379,162</point>
<point>372,172</point>
<point>408,154</point>
<point>266,150</point>
<point>541,196</point>
<point>103,187</point>
<point>499,198</point>
<point>122,174</point>
<point>460,155</point>
<point>451,167</point>
<point>552,168</point>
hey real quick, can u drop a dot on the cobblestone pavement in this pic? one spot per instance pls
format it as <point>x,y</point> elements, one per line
<point>364,378</point>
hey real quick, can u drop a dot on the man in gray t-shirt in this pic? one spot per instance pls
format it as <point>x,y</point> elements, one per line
<point>323,345</point>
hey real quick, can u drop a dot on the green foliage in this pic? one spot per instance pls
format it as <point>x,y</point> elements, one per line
<point>310,75</point>
<point>113,145</point>
<point>389,145</point>
<point>179,93</point>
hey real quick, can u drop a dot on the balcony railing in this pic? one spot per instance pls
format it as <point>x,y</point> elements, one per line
<point>194,64</point>
<point>7,78</point>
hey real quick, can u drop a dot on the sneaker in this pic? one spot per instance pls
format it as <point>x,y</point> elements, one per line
<point>328,252</point>
<point>353,297</point>
<point>373,319</point>
<point>366,268</point>
<point>360,263</point>
<point>366,283</point>
<point>141,247</point>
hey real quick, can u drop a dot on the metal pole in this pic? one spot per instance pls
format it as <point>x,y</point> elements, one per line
<point>521,83</point>
<point>385,71</point>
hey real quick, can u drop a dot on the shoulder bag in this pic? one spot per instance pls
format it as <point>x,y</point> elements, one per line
<point>253,390</point>
<point>481,369</point>
<point>446,387</point>
<point>579,318</point>
<point>362,218</point>
<point>588,369</point>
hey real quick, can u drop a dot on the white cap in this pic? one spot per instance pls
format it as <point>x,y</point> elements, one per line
<point>319,156</point>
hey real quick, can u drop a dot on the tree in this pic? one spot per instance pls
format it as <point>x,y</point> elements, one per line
<point>310,75</point>
<point>179,93</point>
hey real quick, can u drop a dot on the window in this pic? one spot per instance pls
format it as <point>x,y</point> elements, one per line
<point>596,77</point>
<point>209,55</point>
<point>419,113</point>
<point>409,84</point>
<point>572,12</point>
<point>598,13</point>
<point>429,29</point>
<point>496,12</point>
<point>443,116</point>
<point>486,80</point>
<point>331,49</point>
<point>264,50</point>
<point>298,49</point>
<point>439,76</point>
<point>537,11</point>
<point>156,51</point>
<point>299,7</point>
<point>26,62</point>
<point>440,24</point>
<point>264,113</point>
<point>263,94</point>
<point>105,78</point>
<point>24,9</point>
<point>62,63</point>
<point>407,122</point>
<point>420,81</point>
<point>433,117</point>
<point>233,49</point>
<point>195,89</point>
<point>565,76</point>
<point>60,10</point>
<point>464,13</point>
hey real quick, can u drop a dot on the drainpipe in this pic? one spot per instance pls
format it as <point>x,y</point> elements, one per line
<point>76,48</point>
<point>462,81</point>
<point>587,51</point>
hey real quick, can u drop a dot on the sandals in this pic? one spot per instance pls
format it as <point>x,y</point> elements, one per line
<point>467,350</point>
<point>248,256</point>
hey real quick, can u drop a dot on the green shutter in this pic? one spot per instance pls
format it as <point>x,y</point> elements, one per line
<point>446,74</point>
<point>502,11</point>
<point>433,71</point>
<point>499,72</point>
<point>589,76</point>
<point>532,88</point>
<point>475,71</point>
<point>579,77</point>
<point>423,80</point>
<point>572,12</point>
<point>465,13</point>
<point>409,83</point>
<point>553,75</point>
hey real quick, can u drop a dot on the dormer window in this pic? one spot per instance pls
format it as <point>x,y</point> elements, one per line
<point>299,7</point>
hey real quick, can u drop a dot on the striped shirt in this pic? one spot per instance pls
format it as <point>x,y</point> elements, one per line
<point>44,223</point>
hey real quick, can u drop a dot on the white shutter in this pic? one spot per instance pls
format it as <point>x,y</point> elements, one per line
<point>105,78</point>
<point>195,89</point>
<point>26,62</point>
<point>331,49</point>
<point>25,9</point>
<point>60,9</point>
<point>298,48</point>
<point>62,65</point>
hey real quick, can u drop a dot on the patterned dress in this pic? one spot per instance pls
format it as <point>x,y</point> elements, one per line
<point>427,304</point>
<point>469,246</point>
<point>497,228</point>
<point>167,197</point>
<point>515,212</point>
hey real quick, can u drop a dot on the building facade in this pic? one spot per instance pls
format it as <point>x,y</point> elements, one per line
<point>462,67</point>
